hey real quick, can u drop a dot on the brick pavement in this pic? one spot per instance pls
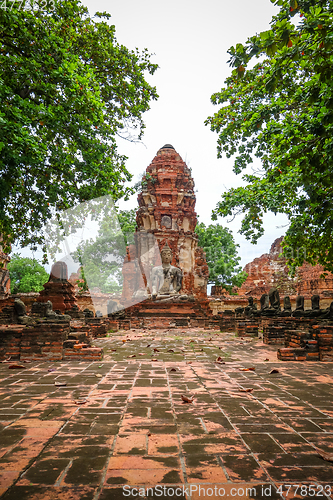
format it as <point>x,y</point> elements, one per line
<point>122,422</point>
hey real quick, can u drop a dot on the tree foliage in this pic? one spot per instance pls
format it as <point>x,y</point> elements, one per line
<point>127,221</point>
<point>67,89</point>
<point>102,258</point>
<point>281,111</point>
<point>221,255</point>
<point>26,275</point>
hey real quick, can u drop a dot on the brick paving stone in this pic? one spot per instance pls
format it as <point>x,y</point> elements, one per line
<point>44,472</point>
<point>137,462</point>
<point>49,493</point>
<point>148,477</point>
<point>293,443</point>
<point>243,467</point>
<point>165,444</point>
<point>131,444</point>
<point>133,427</point>
<point>112,494</point>
<point>204,468</point>
<point>7,477</point>
<point>13,463</point>
<point>261,443</point>
<point>86,470</point>
<point>225,443</point>
<point>303,425</point>
<point>321,441</point>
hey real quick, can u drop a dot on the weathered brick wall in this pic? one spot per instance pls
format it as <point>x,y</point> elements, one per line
<point>278,330</point>
<point>273,330</point>
<point>229,302</point>
<point>7,311</point>
<point>227,322</point>
<point>267,271</point>
<point>310,282</point>
<point>44,341</point>
<point>82,353</point>
<point>97,326</point>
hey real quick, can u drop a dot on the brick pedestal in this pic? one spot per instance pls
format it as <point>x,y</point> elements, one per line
<point>324,335</point>
<point>227,321</point>
<point>10,340</point>
<point>97,326</point>
<point>246,327</point>
<point>273,330</point>
<point>309,342</point>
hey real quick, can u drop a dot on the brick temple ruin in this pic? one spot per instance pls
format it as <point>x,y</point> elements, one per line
<point>295,314</point>
<point>270,270</point>
<point>166,215</point>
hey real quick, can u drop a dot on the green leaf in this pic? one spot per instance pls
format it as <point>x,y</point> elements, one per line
<point>280,114</point>
<point>67,87</point>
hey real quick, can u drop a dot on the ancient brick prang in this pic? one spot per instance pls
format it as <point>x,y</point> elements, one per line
<point>167,211</point>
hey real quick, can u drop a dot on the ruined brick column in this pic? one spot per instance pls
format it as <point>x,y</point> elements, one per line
<point>58,289</point>
<point>167,210</point>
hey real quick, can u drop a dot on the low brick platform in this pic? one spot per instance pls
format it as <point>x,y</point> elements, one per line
<point>44,341</point>
<point>164,315</point>
<point>96,430</point>
<point>81,352</point>
<point>98,327</point>
<point>297,354</point>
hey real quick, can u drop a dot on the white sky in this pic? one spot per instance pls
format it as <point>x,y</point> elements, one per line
<point>189,40</point>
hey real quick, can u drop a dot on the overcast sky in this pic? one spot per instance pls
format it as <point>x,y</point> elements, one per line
<point>189,40</point>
